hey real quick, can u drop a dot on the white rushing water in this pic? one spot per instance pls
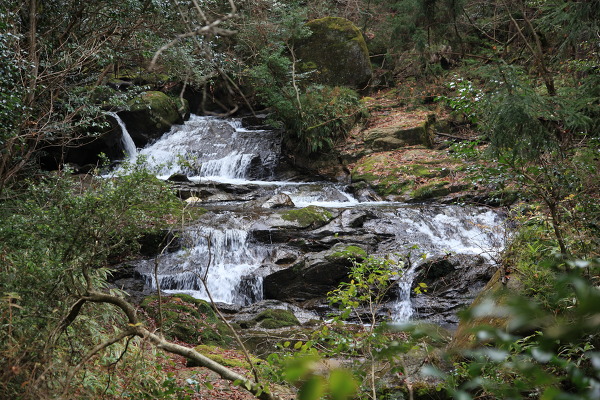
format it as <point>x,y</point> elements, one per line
<point>126,140</point>
<point>219,256</point>
<point>440,231</point>
<point>211,148</point>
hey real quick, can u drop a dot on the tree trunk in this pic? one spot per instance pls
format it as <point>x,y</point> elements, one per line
<point>32,53</point>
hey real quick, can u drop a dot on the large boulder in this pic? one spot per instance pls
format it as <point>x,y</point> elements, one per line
<point>314,276</point>
<point>151,115</point>
<point>336,53</point>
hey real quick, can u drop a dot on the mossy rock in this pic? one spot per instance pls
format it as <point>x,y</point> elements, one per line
<point>226,357</point>
<point>345,252</point>
<point>336,52</point>
<point>188,319</point>
<point>276,318</point>
<point>152,114</point>
<point>310,216</point>
<point>431,190</point>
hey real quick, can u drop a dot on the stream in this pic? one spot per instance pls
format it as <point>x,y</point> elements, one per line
<point>244,248</point>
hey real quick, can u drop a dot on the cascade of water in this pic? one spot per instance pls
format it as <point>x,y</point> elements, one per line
<point>212,147</point>
<point>402,309</point>
<point>439,231</point>
<point>220,256</point>
<point>126,140</point>
<point>208,147</point>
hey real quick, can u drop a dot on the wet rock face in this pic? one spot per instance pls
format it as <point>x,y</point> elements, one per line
<point>325,255</point>
<point>278,201</point>
<point>306,280</point>
<point>453,283</point>
<point>295,241</point>
<point>315,275</point>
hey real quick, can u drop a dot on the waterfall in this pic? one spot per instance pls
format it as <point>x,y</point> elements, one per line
<point>126,140</point>
<point>441,231</point>
<point>209,147</point>
<point>221,256</point>
<point>233,246</point>
<point>402,308</point>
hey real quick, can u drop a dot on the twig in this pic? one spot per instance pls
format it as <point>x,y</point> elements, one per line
<point>204,281</point>
<point>211,27</point>
<point>452,136</point>
<point>91,354</point>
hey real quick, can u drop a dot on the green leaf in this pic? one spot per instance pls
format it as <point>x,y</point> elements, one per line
<point>342,385</point>
<point>312,389</point>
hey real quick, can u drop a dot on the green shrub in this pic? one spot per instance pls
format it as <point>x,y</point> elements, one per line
<point>314,117</point>
<point>57,239</point>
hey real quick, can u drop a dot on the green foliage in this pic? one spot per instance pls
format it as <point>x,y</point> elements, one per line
<point>315,117</point>
<point>547,352</point>
<point>299,363</point>
<point>57,240</point>
<point>327,115</point>
<point>370,281</point>
<point>465,101</point>
<point>12,67</point>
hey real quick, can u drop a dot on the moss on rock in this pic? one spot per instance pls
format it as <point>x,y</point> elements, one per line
<point>276,318</point>
<point>310,216</point>
<point>337,52</point>
<point>347,252</point>
<point>152,114</point>
<point>188,319</point>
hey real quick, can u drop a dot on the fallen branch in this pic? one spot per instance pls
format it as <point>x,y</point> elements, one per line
<point>136,328</point>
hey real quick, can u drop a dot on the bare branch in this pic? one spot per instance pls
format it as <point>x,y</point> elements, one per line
<point>212,27</point>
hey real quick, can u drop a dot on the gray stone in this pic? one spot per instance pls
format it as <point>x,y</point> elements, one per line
<point>278,201</point>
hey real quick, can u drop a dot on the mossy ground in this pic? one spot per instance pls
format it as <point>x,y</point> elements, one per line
<point>404,171</point>
<point>226,357</point>
<point>431,190</point>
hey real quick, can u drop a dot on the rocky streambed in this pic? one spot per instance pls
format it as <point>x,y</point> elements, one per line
<point>272,236</point>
